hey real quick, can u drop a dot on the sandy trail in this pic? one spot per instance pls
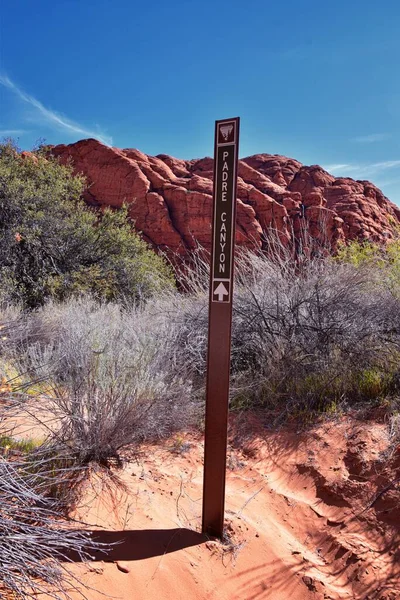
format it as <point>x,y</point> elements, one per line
<point>294,528</point>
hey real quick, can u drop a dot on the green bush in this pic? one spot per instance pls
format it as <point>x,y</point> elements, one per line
<point>360,253</point>
<point>53,246</point>
<point>384,257</point>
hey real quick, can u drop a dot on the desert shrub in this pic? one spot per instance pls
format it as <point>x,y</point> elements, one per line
<point>53,246</point>
<point>323,334</point>
<point>110,378</point>
<point>310,334</point>
<point>384,258</point>
<point>360,253</point>
<point>36,544</point>
<point>190,316</point>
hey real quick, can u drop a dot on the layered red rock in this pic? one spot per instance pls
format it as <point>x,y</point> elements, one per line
<point>170,200</point>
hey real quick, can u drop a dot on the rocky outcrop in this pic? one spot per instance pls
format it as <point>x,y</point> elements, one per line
<point>170,200</point>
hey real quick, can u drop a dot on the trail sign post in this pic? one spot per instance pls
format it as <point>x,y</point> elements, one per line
<point>219,327</point>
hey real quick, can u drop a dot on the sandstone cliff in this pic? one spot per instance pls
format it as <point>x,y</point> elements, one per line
<point>170,200</point>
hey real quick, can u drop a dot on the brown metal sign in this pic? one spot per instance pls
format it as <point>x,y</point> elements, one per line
<point>220,319</point>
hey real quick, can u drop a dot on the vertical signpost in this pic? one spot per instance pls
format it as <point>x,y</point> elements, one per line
<point>219,327</point>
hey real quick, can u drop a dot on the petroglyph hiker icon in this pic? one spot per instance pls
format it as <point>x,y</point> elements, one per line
<point>226,133</point>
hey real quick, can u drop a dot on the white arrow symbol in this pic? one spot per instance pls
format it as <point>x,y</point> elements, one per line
<point>221,291</point>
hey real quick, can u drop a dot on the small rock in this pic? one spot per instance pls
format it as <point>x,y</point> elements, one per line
<point>122,566</point>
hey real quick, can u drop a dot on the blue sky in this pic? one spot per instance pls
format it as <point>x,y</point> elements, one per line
<point>314,80</point>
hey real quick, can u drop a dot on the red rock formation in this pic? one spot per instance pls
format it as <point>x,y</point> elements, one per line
<point>170,200</point>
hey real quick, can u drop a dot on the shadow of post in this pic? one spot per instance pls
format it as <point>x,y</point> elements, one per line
<point>137,544</point>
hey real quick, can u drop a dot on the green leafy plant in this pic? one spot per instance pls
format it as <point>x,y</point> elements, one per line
<point>8,444</point>
<point>385,258</point>
<point>53,246</point>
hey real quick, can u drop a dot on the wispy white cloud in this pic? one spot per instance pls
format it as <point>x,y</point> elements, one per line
<point>340,168</point>
<point>6,132</point>
<point>388,164</point>
<point>51,117</point>
<point>362,170</point>
<point>370,139</point>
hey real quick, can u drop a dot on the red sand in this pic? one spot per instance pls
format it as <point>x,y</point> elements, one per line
<point>298,522</point>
